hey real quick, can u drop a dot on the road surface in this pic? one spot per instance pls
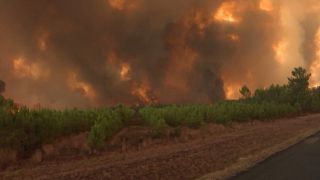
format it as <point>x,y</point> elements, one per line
<point>301,162</point>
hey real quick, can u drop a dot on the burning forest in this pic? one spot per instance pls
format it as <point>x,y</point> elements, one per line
<point>81,53</point>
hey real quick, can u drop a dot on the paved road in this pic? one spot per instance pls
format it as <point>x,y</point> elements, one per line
<point>300,162</point>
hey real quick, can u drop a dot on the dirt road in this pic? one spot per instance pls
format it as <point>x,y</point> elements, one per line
<point>214,150</point>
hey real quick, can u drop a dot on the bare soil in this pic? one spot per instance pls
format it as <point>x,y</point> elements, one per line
<point>216,150</point>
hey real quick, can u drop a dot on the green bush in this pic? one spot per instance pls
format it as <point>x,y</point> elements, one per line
<point>25,130</point>
<point>196,115</point>
<point>154,118</point>
<point>109,122</point>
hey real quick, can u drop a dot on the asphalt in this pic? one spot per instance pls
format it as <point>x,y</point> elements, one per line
<point>300,162</point>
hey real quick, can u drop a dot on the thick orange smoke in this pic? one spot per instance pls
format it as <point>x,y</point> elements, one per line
<point>83,87</point>
<point>266,5</point>
<point>105,52</point>
<point>315,66</point>
<point>280,52</point>
<point>123,4</point>
<point>34,71</point>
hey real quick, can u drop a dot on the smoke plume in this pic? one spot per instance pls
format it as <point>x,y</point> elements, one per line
<point>88,53</point>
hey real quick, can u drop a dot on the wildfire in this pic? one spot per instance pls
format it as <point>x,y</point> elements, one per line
<point>315,66</point>
<point>142,91</point>
<point>22,69</point>
<point>123,4</point>
<point>199,19</point>
<point>280,51</point>
<point>266,5</point>
<point>42,40</point>
<point>77,85</point>
<point>175,76</point>
<point>226,13</point>
<point>117,4</point>
<point>124,71</point>
<point>234,37</point>
<point>232,91</point>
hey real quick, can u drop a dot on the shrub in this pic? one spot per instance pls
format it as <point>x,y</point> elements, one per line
<point>25,130</point>
<point>109,122</point>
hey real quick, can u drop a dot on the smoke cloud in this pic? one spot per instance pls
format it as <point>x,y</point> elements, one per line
<point>88,53</point>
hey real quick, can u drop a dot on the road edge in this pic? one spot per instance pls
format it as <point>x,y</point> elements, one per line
<point>248,162</point>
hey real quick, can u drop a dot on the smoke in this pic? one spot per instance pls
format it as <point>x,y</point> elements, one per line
<point>82,53</point>
<point>2,86</point>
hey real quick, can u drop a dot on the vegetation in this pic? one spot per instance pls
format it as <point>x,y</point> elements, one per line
<point>108,122</point>
<point>245,92</point>
<point>26,129</point>
<point>273,102</point>
<point>196,115</point>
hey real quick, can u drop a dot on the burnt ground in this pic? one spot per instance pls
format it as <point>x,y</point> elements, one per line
<point>216,150</point>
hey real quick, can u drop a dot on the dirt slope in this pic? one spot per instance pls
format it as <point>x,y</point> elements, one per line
<point>218,150</point>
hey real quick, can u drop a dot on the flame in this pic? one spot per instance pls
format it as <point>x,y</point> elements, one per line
<point>234,37</point>
<point>232,91</point>
<point>24,70</point>
<point>232,86</point>
<point>142,91</point>
<point>280,51</point>
<point>315,66</point>
<point>124,71</point>
<point>226,13</point>
<point>117,4</point>
<point>266,5</point>
<point>122,67</point>
<point>77,85</point>
<point>123,4</point>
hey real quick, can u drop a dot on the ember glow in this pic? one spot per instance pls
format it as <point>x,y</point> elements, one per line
<point>315,66</point>
<point>22,69</point>
<point>280,52</point>
<point>266,5</point>
<point>124,71</point>
<point>123,4</point>
<point>82,87</point>
<point>226,12</point>
<point>232,92</point>
<point>104,52</point>
<point>142,91</point>
<point>234,37</point>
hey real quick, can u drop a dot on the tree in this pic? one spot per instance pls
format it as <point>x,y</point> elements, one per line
<point>298,85</point>
<point>299,80</point>
<point>245,92</point>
